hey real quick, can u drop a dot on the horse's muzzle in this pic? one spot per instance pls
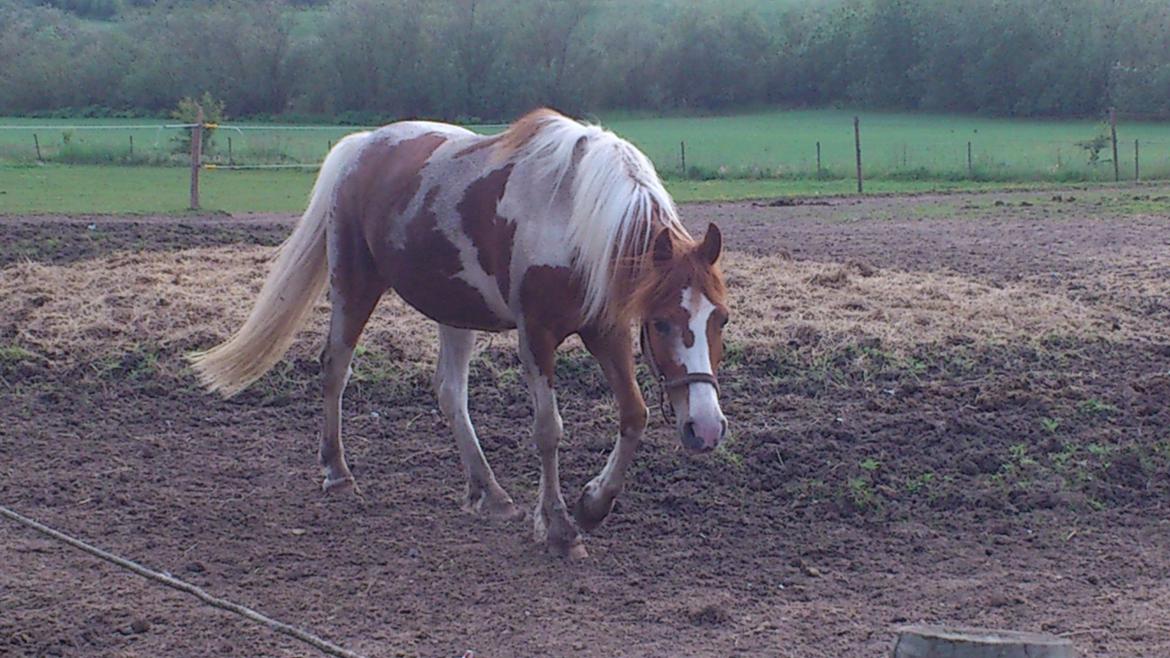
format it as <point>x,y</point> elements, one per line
<point>703,436</point>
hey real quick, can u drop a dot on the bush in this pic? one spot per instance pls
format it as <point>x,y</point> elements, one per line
<point>188,112</point>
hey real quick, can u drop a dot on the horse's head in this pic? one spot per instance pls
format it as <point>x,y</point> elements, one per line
<point>683,313</point>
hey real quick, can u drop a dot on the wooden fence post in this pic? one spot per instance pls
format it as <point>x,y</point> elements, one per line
<point>682,152</point>
<point>37,143</point>
<point>819,170</point>
<point>196,156</point>
<point>857,144</point>
<point>970,163</point>
<point>1113,132</point>
<point>231,161</point>
<point>131,146</point>
<point>1137,167</point>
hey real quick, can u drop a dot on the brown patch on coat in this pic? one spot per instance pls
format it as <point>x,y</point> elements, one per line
<point>425,272</point>
<point>384,179</point>
<point>715,323</point>
<point>661,346</point>
<point>478,144</point>
<point>377,189</point>
<point>491,234</point>
<point>550,300</point>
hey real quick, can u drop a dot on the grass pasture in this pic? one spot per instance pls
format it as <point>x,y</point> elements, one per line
<point>894,146</point>
<point>83,189</point>
<point>758,155</point>
<point>777,144</point>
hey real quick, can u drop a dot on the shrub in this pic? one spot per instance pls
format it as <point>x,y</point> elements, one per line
<point>188,112</point>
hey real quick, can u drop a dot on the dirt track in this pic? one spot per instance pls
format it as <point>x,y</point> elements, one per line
<point>1019,481</point>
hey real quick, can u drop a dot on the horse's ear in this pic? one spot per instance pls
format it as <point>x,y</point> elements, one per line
<point>663,248</point>
<point>712,245</point>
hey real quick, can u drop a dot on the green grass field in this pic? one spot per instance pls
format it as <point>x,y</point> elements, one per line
<point>897,146</point>
<point>747,156</point>
<point>81,189</point>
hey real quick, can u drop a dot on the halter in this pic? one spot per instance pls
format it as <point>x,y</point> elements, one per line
<point>664,384</point>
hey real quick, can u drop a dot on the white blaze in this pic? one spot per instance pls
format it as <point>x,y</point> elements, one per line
<point>702,399</point>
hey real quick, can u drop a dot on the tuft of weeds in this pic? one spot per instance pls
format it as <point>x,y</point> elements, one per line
<point>733,354</point>
<point>861,493</point>
<point>1096,407</point>
<point>12,354</point>
<point>727,453</point>
<point>919,483</point>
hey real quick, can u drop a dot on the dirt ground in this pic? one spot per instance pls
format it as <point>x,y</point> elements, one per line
<point>946,409</point>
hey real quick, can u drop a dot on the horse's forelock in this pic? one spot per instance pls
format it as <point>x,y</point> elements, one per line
<point>650,286</point>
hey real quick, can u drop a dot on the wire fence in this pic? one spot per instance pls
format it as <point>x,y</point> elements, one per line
<point>683,153</point>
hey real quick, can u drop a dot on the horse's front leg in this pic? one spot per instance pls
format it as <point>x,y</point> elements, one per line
<point>614,350</point>
<point>551,520</point>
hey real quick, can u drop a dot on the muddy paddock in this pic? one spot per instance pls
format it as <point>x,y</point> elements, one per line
<point>948,409</point>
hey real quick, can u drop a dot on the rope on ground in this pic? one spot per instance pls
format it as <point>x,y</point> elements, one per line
<point>170,581</point>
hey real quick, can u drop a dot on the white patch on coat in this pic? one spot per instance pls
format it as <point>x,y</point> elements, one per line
<point>702,399</point>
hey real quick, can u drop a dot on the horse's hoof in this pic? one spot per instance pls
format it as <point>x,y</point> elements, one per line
<point>588,513</point>
<point>572,549</point>
<point>577,552</point>
<point>509,512</point>
<point>337,485</point>
<point>502,510</point>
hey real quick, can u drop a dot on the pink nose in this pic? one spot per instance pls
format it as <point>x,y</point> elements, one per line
<point>703,435</point>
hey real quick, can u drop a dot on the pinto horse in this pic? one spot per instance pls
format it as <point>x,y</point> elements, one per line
<point>551,228</point>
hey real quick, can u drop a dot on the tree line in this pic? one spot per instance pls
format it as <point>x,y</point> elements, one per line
<point>492,59</point>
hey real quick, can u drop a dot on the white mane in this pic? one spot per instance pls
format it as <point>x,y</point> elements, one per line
<point>615,192</point>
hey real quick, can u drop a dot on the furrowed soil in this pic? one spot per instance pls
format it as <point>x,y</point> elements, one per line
<point>945,409</point>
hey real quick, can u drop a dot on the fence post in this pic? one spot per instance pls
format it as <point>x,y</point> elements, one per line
<point>857,144</point>
<point>196,156</point>
<point>230,160</point>
<point>819,159</point>
<point>970,163</point>
<point>37,143</point>
<point>131,146</point>
<point>682,151</point>
<point>1137,167</point>
<point>1113,132</point>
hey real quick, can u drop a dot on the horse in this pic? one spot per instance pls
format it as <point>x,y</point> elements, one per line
<point>550,228</point>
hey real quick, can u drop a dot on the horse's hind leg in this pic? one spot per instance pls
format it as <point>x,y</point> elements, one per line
<point>354,292</point>
<point>484,494</point>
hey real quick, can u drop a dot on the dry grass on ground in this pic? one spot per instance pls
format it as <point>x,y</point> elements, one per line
<point>175,302</point>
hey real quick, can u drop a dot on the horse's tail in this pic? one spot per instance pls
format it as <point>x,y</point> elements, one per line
<point>298,274</point>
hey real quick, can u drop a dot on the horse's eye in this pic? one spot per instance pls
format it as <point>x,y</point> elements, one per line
<point>662,327</point>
